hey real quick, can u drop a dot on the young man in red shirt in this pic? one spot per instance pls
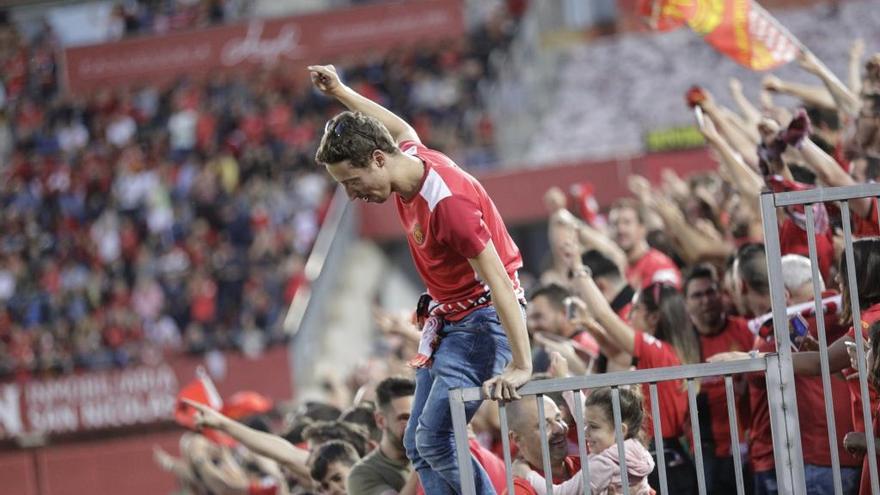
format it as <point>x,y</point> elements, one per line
<point>547,315</point>
<point>463,253</point>
<point>718,333</point>
<point>645,265</point>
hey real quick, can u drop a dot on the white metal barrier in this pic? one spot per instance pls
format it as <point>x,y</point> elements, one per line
<point>769,204</point>
<point>768,365</point>
<point>777,368</point>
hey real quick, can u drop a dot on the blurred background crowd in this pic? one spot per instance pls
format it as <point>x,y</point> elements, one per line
<point>145,223</point>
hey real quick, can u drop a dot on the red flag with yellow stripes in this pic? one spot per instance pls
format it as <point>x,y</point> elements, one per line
<point>740,29</point>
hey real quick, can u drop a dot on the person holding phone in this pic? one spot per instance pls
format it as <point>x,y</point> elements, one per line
<point>551,320</point>
<point>797,277</point>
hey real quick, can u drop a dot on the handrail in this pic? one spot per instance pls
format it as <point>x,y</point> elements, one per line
<point>826,194</point>
<point>306,315</point>
<point>636,377</point>
<point>315,263</point>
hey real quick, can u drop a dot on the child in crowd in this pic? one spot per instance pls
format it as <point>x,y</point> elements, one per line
<point>604,459</point>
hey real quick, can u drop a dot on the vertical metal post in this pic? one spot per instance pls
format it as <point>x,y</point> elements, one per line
<point>734,435</point>
<point>823,351</point>
<point>505,445</point>
<point>463,452</point>
<point>860,341</point>
<point>698,443</point>
<point>658,439</point>
<point>877,202</point>
<point>777,407</point>
<point>618,434</point>
<point>545,446</point>
<point>789,462</point>
<point>582,442</point>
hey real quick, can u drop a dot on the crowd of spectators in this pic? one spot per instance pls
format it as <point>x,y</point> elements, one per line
<point>142,17</point>
<point>157,17</point>
<point>622,103</point>
<point>676,274</point>
<point>138,220</point>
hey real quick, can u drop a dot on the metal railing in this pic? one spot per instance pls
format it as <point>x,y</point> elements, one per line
<point>770,202</point>
<point>777,369</point>
<point>305,316</point>
<point>767,364</point>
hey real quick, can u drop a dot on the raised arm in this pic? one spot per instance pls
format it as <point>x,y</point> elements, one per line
<point>845,100</point>
<point>733,134</point>
<point>262,443</point>
<point>491,270</point>
<point>589,237</point>
<point>616,331</point>
<point>745,179</point>
<point>174,465</point>
<point>831,174</point>
<point>215,467</point>
<point>856,51</point>
<point>750,114</point>
<point>811,95</point>
<point>326,79</point>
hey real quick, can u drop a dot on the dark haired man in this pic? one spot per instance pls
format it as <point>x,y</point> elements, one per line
<point>474,332</point>
<point>386,469</point>
<point>547,315</point>
<point>330,465</point>
<point>718,332</point>
<point>645,265</point>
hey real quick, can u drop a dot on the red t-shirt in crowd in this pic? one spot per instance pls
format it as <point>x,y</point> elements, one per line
<point>793,240</point>
<point>735,336</point>
<point>267,487</point>
<point>652,353</point>
<point>654,266</point>
<point>523,487</point>
<point>449,221</point>
<point>869,316</point>
<point>491,463</point>
<point>587,342</point>
<point>811,410</point>
<point>867,226</point>
<point>865,485</point>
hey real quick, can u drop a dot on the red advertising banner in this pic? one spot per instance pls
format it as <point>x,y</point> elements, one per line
<point>138,395</point>
<point>304,39</point>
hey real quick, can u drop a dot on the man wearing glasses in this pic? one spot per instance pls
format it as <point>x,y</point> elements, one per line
<point>474,330</point>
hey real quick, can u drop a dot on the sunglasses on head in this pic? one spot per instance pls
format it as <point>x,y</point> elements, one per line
<point>338,128</point>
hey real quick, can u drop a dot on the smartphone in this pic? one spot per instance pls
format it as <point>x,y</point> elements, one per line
<point>569,308</point>
<point>798,331</point>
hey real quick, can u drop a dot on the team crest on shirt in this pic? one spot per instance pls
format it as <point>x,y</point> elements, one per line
<point>417,234</point>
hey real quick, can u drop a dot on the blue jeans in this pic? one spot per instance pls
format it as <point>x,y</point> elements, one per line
<point>765,483</point>
<point>471,351</point>
<point>819,480</point>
